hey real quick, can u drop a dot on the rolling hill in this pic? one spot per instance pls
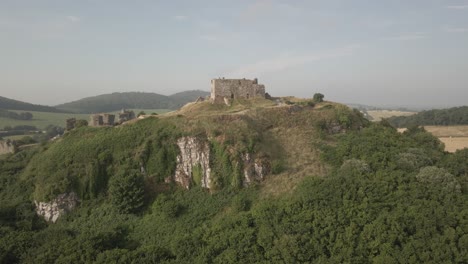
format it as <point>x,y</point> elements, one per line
<point>139,100</point>
<point>10,104</point>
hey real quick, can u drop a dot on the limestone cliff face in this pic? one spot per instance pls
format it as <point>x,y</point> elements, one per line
<point>193,153</point>
<point>255,169</point>
<point>59,206</point>
<point>6,146</point>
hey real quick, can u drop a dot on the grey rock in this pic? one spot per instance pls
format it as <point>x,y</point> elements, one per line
<point>59,206</point>
<point>193,152</point>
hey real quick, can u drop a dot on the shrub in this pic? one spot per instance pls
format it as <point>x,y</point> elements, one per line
<point>126,191</point>
<point>277,166</point>
<point>439,177</point>
<point>318,97</point>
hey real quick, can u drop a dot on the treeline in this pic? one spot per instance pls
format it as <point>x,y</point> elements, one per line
<point>31,134</point>
<point>10,104</point>
<point>131,100</point>
<point>17,116</point>
<point>389,198</point>
<point>436,117</point>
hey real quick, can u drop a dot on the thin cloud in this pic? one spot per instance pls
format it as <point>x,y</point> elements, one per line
<point>458,7</point>
<point>410,36</point>
<point>73,19</point>
<point>181,17</point>
<point>209,37</point>
<point>456,30</point>
<point>287,61</point>
<point>256,8</point>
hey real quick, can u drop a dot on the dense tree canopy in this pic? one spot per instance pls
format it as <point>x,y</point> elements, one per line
<point>442,117</point>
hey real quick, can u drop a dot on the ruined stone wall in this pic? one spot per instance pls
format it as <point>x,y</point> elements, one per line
<point>71,123</point>
<point>102,120</point>
<point>108,119</point>
<point>7,146</point>
<point>125,115</point>
<point>96,120</point>
<point>236,88</point>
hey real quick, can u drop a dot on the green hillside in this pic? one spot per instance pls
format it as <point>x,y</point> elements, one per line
<point>10,104</point>
<point>42,119</point>
<point>130,100</point>
<point>339,190</point>
<point>436,117</point>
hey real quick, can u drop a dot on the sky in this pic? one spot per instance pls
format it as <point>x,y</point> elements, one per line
<point>374,52</point>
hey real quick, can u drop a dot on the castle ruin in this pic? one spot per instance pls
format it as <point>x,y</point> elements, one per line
<point>102,120</point>
<point>222,89</point>
<point>97,120</point>
<point>126,115</point>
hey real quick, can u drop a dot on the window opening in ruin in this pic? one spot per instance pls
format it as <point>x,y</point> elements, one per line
<point>232,96</point>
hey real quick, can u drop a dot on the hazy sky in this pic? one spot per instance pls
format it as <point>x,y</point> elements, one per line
<point>387,52</point>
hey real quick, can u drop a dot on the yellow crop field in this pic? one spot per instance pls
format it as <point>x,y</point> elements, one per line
<point>378,115</point>
<point>453,144</point>
<point>454,137</point>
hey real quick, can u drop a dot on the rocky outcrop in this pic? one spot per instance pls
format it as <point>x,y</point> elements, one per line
<point>193,164</point>
<point>335,128</point>
<point>7,146</point>
<point>194,155</point>
<point>59,206</point>
<point>255,169</point>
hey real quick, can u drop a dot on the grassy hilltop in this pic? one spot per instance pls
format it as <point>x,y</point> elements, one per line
<point>340,190</point>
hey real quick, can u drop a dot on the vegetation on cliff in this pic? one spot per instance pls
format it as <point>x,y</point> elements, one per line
<point>370,195</point>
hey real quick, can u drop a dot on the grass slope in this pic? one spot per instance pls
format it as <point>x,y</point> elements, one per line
<point>283,134</point>
<point>42,119</point>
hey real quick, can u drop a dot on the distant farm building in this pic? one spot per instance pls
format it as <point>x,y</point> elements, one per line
<point>222,89</point>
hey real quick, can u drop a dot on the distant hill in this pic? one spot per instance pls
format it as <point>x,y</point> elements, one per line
<point>437,117</point>
<point>10,104</point>
<point>188,96</point>
<point>131,100</point>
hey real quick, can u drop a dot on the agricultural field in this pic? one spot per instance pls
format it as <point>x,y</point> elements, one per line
<point>43,119</point>
<point>378,115</point>
<point>454,137</point>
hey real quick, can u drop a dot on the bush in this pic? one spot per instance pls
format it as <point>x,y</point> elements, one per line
<point>318,97</point>
<point>277,166</point>
<point>438,177</point>
<point>126,191</point>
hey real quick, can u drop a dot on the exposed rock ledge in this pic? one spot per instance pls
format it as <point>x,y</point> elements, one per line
<point>255,169</point>
<point>7,146</point>
<point>193,152</point>
<point>59,206</point>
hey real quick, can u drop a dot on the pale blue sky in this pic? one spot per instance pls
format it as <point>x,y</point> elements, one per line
<point>392,52</point>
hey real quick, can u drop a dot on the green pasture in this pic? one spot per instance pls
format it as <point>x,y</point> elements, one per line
<point>43,119</point>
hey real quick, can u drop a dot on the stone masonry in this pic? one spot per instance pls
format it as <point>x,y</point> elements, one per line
<point>222,89</point>
<point>102,120</point>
